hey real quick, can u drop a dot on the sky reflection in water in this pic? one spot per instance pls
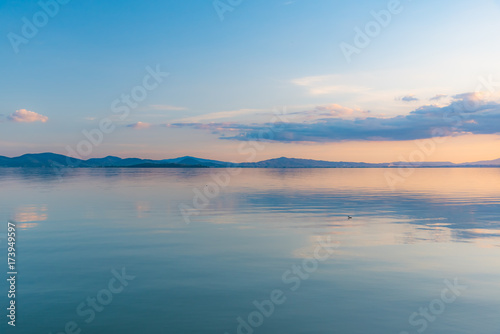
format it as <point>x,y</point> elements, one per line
<point>392,259</point>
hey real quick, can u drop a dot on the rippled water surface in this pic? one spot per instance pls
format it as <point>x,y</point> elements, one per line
<point>421,257</point>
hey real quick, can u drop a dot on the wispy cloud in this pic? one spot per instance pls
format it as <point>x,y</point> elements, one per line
<point>164,107</point>
<point>336,111</point>
<point>221,115</point>
<point>373,90</point>
<point>26,116</point>
<point>302,113</point>
<point>327,84</point>
<point>438,97</point>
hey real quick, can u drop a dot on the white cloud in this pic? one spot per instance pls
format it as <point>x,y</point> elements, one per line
<point>375,90</point>
<point>221,115</point>
<point>164,107</point>
<point>26,116</point>
<point>328,84</point>
<point>438,97</point>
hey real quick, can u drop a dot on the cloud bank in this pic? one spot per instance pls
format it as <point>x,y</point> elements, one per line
<point>466,114</point>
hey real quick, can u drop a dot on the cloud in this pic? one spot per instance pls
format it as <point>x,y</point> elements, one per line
<point>164,107</point>
<point>139,125</point>
<point>475,96</point>
<point>249,116</point>
<point>333,110</point>
<point>220,115</point>
<point>438,97</point>
<point>408,98</point>
<point>328,84</point>
<point>26,116</point>
<point>466,114</point>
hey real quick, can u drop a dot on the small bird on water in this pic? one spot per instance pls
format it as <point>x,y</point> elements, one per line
<point>349,217</point>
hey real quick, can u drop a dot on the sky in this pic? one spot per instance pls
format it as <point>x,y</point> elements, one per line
<point>372,81</point>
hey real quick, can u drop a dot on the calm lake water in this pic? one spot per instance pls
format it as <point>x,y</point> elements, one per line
<point>272,234</point>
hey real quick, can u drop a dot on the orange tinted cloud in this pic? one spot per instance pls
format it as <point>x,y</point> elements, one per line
<point>26,116</point>
<point>140,125</point>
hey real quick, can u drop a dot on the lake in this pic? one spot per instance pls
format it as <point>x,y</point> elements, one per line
<point>255,251</point>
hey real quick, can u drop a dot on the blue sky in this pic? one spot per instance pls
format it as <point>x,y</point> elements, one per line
<point>227,78</point>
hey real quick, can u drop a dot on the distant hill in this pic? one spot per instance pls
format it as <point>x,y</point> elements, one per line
<point>305,163</point>
<point>48,160</point>
<point>423,164</point>
<point>40,160</point>
<point>197,161</point>
<point>484,163</point>
<point>155,165</point>
<point>115,161</point>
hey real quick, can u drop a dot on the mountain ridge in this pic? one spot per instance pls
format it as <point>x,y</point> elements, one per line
<point>47,160</point>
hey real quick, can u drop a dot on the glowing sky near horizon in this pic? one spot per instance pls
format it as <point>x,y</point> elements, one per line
<point>433,66</point>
